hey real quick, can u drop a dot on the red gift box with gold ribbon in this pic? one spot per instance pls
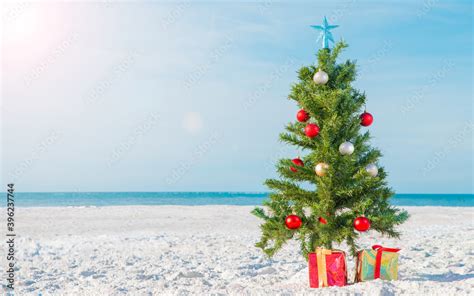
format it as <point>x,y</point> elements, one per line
<point>327,268</point>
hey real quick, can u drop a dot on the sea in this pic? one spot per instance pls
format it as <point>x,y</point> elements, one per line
<point>99,199</point>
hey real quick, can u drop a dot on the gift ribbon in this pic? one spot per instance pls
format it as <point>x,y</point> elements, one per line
<point>321,261</point>
<point>378,258</point>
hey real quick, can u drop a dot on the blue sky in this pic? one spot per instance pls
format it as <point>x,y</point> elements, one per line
<point>170,96</point>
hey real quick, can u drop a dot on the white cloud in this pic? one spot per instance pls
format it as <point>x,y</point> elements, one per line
<point>192,122</point>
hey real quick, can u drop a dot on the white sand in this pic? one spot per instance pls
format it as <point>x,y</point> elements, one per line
<point>209,250</point>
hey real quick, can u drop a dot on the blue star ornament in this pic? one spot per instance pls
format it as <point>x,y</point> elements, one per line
<point>325,34</point>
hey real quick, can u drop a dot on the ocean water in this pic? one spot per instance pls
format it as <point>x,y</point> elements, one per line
<point>61,199</point>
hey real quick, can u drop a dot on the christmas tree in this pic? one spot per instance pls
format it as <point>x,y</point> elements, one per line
<point>350,192</point>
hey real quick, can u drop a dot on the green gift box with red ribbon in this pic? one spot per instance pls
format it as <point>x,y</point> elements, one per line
<point>380,262</point>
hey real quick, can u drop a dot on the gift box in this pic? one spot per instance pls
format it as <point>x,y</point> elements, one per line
<point>380,262</point>
<point>327,268</point>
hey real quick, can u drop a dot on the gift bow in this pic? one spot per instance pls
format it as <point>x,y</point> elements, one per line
<point>378,258</point>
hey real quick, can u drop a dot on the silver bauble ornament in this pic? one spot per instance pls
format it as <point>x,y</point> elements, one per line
<point>320,77</point>
<point>372,170</point>
<point>346,148</point>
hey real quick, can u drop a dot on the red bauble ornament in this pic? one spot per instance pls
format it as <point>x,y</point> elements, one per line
<point>311,130</point>
<point>302,116</point>
<point>361,224</point>
<point>298,162</point>
<point>322,220</point>
<point>293,222</point>
<point>366,119</point>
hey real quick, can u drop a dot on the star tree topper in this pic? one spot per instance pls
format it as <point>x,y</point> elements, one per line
<point>325,34</point>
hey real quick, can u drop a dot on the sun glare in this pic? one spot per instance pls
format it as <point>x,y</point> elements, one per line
<point>28,27</point>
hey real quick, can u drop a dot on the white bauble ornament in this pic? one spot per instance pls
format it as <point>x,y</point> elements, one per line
<point>372,170</point>
<point>321,169</point>
<point>321,77</point>
<point>346,148</point>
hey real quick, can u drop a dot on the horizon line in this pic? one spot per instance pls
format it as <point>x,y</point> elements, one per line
<point>251,192</point>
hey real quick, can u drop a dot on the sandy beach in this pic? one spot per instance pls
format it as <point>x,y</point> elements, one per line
<point>209,250</point>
